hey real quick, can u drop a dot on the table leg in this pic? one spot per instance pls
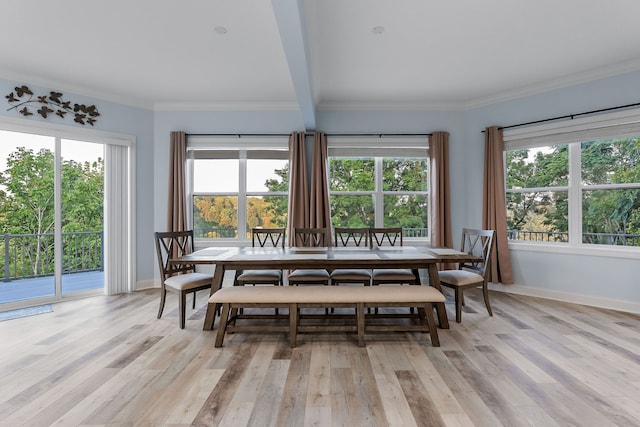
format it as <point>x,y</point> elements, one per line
<point>216,284</point>
<point>434,280</point>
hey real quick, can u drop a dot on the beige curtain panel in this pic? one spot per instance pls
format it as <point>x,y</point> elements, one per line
<point>298,190</point>
<point>176,206</point>
<point>320,211</point>
<point>494,210</point>
<point>439,193</point>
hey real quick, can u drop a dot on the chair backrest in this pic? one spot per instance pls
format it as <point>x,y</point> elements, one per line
<point>386,236</point>
<point>312,237</point>
<point>351,236</point>
<point>173,244</point>
<point>478,243</point>
<point>262,236</point>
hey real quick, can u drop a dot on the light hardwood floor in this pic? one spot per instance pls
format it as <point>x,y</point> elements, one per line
<point>109,361</point>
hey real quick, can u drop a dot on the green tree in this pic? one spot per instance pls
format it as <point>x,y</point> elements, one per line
<point>277,207</point>
<point>604,211</point>
<point>28,201</point>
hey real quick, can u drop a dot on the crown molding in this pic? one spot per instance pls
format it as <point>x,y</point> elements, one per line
<point>391,106</point>
<point>464,105</point>
<point>226,106</point>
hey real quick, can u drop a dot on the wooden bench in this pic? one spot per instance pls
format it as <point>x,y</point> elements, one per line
<point>296,297</point>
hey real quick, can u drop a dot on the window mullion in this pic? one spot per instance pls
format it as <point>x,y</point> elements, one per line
<point>242,199</point>
<point>575,195</point>
<point>379,196</point>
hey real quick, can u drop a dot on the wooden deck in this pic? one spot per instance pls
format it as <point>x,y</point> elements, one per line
<point>109,361</point>
<point>18,290</point>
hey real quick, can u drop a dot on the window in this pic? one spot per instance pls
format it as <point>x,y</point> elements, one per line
<point>237,184</point>
<point>379,182</point>
<point>68,212</point>
<point>577,183</point>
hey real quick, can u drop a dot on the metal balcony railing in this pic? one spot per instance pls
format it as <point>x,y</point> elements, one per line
<point>613,239</point>
<point>32,255</point>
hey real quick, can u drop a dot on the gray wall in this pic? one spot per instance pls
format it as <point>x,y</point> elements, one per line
<point>589,277</point>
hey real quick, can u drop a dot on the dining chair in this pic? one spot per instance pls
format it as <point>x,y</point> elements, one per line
<point>310,237</point>
<point>180,278</point>
<point>390,236</point>
<point>351,237</point>
<point>263,237</point>
<point>471,273</point>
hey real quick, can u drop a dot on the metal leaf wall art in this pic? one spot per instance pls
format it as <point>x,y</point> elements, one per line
<point>23,100</point>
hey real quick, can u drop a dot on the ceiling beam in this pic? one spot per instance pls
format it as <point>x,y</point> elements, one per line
<point>291,21</point>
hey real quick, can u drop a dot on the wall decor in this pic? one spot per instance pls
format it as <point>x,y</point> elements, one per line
<point>50,104</point>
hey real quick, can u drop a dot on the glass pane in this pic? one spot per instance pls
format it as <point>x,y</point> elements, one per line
<point>216,175</point>
<point>266,212</point>
<point>615,161</point>
<point>540,216</point>
<point>215,217</point>
<point>403,174</point>
<point>27,216</point>
<point>611,217</point>
<point>408,212</point>
<point>352,211</point>
<point>538,167</point>
<point>82,215</point>
<point>351,174</point>
<point>267,175</point>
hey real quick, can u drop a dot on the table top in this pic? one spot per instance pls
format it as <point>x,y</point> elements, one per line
<point>325,256</point>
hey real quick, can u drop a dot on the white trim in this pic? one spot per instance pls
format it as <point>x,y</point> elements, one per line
<point>599,251</point>
<point>64,131</point>
<point>588,128</point>
<point>226,106</point>
<point>237,142</point>
<point>147,284</point>
<point>612,304</point>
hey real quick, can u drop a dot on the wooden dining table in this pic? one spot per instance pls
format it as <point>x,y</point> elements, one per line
<point>329,258</point>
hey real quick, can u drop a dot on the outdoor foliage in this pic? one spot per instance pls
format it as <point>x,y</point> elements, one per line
<point>216,216</point>
<point>605,211</point>
<point>27,208</point>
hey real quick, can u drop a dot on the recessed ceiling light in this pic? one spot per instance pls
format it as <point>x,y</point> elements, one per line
<point>220,30</point>
<point>377,30</point>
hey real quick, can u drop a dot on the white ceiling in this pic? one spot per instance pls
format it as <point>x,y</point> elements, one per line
<point>315,54</point>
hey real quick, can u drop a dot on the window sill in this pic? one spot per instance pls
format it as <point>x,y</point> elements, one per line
<point>589,250</point>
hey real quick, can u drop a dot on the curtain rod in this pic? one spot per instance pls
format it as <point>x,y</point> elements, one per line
<point>570,116</point>
<point>240,135</point>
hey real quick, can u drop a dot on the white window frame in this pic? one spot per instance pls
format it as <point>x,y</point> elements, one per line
<point>120,202</point>
<point>378,148</point>
<point>618,124</point>
<point>241,145</point>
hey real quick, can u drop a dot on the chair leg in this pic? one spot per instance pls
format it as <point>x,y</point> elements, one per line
<point>485,293</point>
<point>193,307</point>
<point>459,298</point>
<point>181,308</point>
<point>163,298</point>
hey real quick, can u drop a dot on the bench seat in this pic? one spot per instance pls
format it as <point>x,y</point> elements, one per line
<point>295,297</point>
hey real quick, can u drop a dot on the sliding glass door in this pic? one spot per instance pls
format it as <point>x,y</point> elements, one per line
<point>82,215</point>
<point>52,217</point>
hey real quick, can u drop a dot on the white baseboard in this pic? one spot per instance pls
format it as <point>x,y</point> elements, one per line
<point>147,284</point>
<point>619,305</point>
